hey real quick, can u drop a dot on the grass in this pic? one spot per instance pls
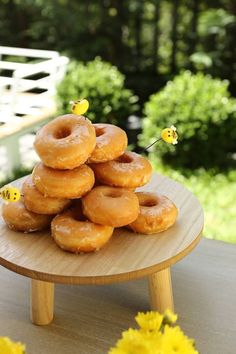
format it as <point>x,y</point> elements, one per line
<point>217,195</point>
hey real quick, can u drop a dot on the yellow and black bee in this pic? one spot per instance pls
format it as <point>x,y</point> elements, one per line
<point>79,107</point>
<point>10,194</point>
<point>169,135</point>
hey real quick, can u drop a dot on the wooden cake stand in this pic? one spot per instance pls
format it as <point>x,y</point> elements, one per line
<point>126,256</point>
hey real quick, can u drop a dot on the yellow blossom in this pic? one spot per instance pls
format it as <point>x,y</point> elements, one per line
<point>155,336</point>
<point>174,341</point>
<point>117,351</point>
<point>9,347</point>
<point>137,342</point>
<point>170,317</point>
<point>149,321</point>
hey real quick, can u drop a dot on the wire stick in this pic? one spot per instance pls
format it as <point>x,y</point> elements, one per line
<point>152,144</point>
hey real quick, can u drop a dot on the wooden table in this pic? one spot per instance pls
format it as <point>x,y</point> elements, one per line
<point>127,255</point>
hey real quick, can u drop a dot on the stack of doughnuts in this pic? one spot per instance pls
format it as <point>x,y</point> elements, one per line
<point>84,187</point>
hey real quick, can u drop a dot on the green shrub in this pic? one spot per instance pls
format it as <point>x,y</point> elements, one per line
<point>205,116</point>
<point>103,85</point>
<point>16,173</point>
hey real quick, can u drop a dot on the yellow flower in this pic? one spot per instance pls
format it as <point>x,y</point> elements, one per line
<point>137,342</point>
<point>170,317</point>
<point>149,321</point>
<point>9,347</point>
<point>174,341</point>
<point>117,351</point>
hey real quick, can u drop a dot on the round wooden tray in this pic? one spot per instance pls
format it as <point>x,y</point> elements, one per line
<point>126,256</point>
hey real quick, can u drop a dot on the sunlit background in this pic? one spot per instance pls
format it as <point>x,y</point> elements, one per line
<point>143,65</point>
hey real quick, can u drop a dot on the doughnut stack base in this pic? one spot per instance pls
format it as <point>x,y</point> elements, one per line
<point>84,187</point>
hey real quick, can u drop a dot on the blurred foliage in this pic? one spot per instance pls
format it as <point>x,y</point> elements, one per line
<point>216,193</point>
<point>201,60</point>
<point>16,173</point>
<point>216,29</point>
<point>214,21</point>
<point>205,116</point>
<point>103,85</point>
<point>149,40</point>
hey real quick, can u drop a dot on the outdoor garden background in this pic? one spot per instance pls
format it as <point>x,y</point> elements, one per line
<point>145,65</point>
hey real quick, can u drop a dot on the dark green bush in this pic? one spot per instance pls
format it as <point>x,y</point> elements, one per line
<point>205,116</point>
<point>103,85</point>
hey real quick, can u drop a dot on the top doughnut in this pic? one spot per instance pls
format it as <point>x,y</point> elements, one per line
<point>111,143</point>
<point>66,142</point>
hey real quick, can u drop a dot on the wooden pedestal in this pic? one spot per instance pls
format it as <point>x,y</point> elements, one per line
<point>126,256</point>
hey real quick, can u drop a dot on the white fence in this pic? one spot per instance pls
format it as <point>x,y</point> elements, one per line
<point>28,80</point>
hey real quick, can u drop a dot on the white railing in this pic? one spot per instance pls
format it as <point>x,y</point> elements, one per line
<point>27,91</point>
<point>17,91</point>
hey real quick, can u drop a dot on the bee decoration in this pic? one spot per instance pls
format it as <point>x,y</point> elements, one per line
<point>10,194</point>
<point>169,135</point>
<point>80,106</point>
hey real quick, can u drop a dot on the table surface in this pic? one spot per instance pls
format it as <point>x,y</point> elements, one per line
<point>126,256</point>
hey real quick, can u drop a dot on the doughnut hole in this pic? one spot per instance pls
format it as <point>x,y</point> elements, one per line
<point>113,194</point>
<point>125,159</point>
<point>149,202</point>
<point>62,133</point>
<point>99,131</point>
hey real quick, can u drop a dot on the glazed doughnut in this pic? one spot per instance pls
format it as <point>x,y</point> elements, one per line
<point>66,142</point>
<point>18,218</point>
<point>69,184</point>
<point>110,206</point>
<point>111,140</point>
<point>38,203</point>
<point>157,213</point>
<point>73,232</point>
<point>130,170</point>
<point>97,183</point>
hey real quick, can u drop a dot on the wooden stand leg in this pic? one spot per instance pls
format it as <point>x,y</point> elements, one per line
<point>42,302</point>
<point>160,291</point>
